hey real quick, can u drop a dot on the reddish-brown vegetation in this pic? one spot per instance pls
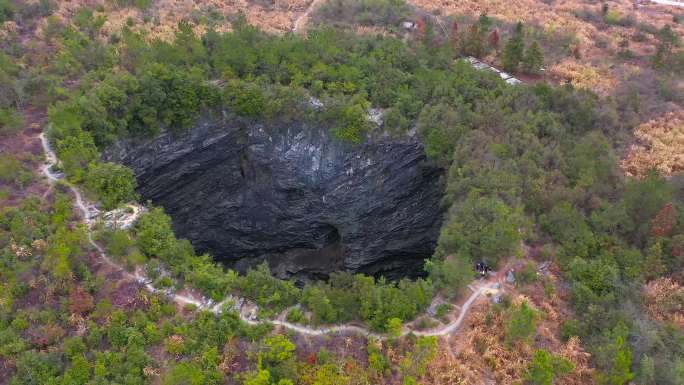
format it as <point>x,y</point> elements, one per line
<point>478,353</point>
<point>665,300</point>
<point>660,146</point>
<point>161,19</point>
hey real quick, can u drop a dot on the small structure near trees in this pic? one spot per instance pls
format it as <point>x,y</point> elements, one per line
<point>409,25</point>
<point>480,65</point>
<point>482,268</point>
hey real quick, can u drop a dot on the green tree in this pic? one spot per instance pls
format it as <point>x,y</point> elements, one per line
<point>415,364</point>
<point>184,373</point>
<point>316,299</point>
<point>654,263</point>
<point>118,242</point>
<point>246,99</point>
<point>545,367</point>
<point>614,357</point>
<point>37,368</point>
<point>208,276</point>
<point>330,374</point>
<point>667,41</point>
<point>513,51</point>
<point>87,22</point>
<point>6,10</point>
<point>78,373</point>
<point>10,168</point>
<point>450,275</point>
<point>481,227</point>
<point>533,59</point>
<point>11,122</point>
<point>351,122</point>
<point>267,291</point>
<point>113,183</point>
<point>263,377</point>
<point>521,324</point>
<point>474,41</point>
<point>76,152</point>
<point>377,361</point>
<point>154,234</point>
<point>441,127</point>
<point>643,199</point>
<point>569,227</point>
<point>64,245</point>
<point>394,327</point>
<point>260,377</point>
<point>647,371</point>
<point>277,349</point>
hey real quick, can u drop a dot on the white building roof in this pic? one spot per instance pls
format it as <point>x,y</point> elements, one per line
<point>482,66</point>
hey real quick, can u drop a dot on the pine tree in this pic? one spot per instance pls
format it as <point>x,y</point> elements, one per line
<point>475,42</point>
<point>494,39</point>
<point>667,40</point>
<point>533,59</point>
<point>654,264</point>
<point>514,50</point>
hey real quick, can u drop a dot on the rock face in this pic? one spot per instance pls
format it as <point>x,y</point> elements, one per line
<point>294,196</point>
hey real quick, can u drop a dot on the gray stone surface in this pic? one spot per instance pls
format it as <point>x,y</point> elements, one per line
<point>294,196</point>
<point>510,277</point>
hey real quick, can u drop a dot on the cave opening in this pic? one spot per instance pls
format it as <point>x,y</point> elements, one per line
<point>292,196</point>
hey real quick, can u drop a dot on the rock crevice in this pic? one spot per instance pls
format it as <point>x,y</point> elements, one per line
<point>294,196</point>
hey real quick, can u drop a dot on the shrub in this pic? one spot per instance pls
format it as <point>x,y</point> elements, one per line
<point>451,275</point>
<point>118,242</point>
<point>209,277</point>
<point>612,17</point>
<point>352,123</point>
<point>11,122</point>
<point>533,60</point>
<point>6,10</point>
<point>10,168</point>
<point>295,315</point>
<point>114,184</point>
<point>527,274</point>
<point>481,226</point>
<point>260,286</point>
<point>277,349</point>
<point>140,4</point>
<point>545,367</point>
<point>246,99</point>
<point>513,51</point>
<point>154,234</point>
<point>521,323</point>
<point>443,310</point>
<point>365,12</point>
<point>184,373</point>
<point>393,327</point>
<point>76,151</point>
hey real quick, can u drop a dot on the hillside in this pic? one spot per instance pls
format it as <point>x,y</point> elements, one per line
<point>328,192</point>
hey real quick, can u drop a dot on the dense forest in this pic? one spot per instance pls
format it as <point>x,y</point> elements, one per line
<point>528,166</point>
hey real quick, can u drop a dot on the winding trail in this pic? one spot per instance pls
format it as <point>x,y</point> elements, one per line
<point>670,2</point>
<point>304,17</point>
<point>88,212</point>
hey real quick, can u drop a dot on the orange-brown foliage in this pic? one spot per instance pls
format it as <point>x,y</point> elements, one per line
<point>590,61</point>
<point>165,15</point>
<point>664,221</point>
<point>660,147</point>
<point>478,354</point>
<point>80,301</point>
<point>664,300</point>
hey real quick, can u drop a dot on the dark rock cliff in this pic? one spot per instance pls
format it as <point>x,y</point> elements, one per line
<point>294,196</point>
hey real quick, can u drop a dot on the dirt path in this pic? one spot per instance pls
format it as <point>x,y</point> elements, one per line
<point>669,2</point>
<point>303,19</point>
<point>88,212</point>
